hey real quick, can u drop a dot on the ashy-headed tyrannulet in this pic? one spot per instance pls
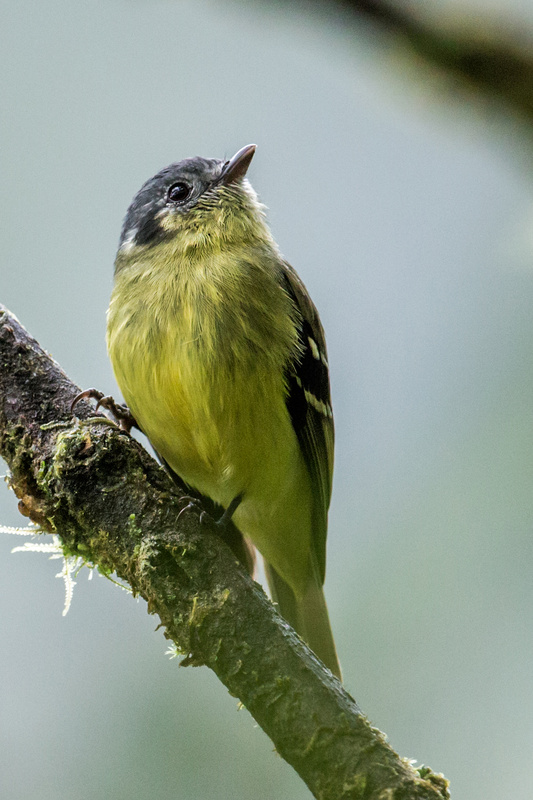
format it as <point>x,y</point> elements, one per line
<point>221,358</point>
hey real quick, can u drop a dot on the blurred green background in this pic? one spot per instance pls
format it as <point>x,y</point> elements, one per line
<point>408,212</point>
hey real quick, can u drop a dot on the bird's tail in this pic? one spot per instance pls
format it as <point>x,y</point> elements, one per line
<point>308,616</point>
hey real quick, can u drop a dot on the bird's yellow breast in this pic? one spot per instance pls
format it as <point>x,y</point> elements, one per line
<point>200,348</point>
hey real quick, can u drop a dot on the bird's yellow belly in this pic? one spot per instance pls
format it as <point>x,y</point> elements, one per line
<point>228,435</point>
<point>205,427</point>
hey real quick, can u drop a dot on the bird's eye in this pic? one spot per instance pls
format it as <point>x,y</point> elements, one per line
<point>179,192</point>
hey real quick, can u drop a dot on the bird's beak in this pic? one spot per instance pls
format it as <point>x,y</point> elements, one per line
<point>237,167</point>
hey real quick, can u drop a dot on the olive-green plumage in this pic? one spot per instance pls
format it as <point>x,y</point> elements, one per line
<point>220,355</point>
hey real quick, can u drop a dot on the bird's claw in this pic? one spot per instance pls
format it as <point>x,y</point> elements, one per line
<point>87,394</point>
<point>121,414</point>
<point>192,504</point>
<point>206,518</point>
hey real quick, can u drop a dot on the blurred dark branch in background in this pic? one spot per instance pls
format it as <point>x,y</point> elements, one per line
<point>491,58</point>
<point>111,504</point>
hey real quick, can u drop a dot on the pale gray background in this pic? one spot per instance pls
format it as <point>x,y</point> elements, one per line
<point>411,221</point>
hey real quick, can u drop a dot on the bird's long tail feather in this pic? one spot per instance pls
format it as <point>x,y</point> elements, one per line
<point>308,616</point>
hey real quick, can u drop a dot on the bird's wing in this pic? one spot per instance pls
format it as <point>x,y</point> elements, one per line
<point>309,405</point>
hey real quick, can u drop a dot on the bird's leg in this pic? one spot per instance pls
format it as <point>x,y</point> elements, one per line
<point>195,503</point>
<point>121,414</point>
<point>223,521</point>
<point>225,528</point>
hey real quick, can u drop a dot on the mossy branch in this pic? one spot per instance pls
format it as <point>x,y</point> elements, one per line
<point>111,503</point>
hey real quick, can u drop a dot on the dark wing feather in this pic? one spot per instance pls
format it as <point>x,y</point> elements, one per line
<point>309,405</point>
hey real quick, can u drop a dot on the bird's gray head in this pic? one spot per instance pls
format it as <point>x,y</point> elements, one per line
<point>198,200</point>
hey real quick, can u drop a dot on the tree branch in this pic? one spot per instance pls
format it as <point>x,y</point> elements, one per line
<point>492,58</point>
<point>110,503</point>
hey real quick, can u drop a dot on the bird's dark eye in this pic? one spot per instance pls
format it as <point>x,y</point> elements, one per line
<point>179,192</point>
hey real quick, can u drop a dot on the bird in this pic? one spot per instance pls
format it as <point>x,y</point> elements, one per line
<point>221,358</point>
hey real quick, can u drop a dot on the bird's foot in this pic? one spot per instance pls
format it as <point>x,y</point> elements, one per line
<point>120,413</point>
<point>195,504</point>
<point>192,504</point>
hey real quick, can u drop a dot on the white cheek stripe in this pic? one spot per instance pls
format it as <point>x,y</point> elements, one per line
<point>129,242</point>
